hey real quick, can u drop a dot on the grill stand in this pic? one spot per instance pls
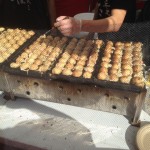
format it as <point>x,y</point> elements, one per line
<point>105,99</point>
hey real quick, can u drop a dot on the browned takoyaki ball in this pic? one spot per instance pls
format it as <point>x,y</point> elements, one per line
<point>104,70</point>
<point>87,75</point>
<point>113,77</point>
<point>14,65</point>
<point>137,68</point>
<point>125,79</point>
<point>43,68</point>
<point>89,69</point>
<point>24,66</point>
<point>69,66</point>
<point>67,72</point>
<point>102,76</point>
<point>113,71</point>
<point>126,72</point>
<point>34,67</point>
<point>77,73</point>
<point>57,70</point>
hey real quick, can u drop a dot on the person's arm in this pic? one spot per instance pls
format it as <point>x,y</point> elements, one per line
<point>110,24</point>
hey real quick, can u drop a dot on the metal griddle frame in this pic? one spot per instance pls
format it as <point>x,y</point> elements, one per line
<point>120,101</point>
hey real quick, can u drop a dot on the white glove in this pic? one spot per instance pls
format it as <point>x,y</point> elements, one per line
<point>69,26</point>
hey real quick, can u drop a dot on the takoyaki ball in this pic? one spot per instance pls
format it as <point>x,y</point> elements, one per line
<point>91,63</point>
<point>137,62</point>
<point>126,72</point>
<point>4,41</point>
<point>126,61</point>
<point>79,67</point>
<point>105,64</point>
<point>108,50</point>
<point>87,75</point>
<point>27,36</point>
<point>126,66</point>
<point>43,68</point>
<point>138,44</point>
<point>138,49</point>
<point>34,67</point>
<point>16,38</point>
<point>38,62</point>
<point>106,59</point>
<point>69,66</point>
<point>67,72</point>
<point>20,42</point>
<point>142,84</point>
<point>45,53</point>
<point>14,65</point>
<point>118,57</point>
<point>137,80</point>
<point>57,49</point>
<point>12,41</point>
<point>72,61</point>
<point>125,79</point>
<point>137,53</point>
<point>56,70</point>
<point>104,70</point>
<point>118,52</point>
<point>5,55</point>
<point>113,71</point>
<point>115,66</point>
<point>83,57</point>
<point>108,47</point>
<point>7,45</point>
<point>89,69</point>
<point>74,56</point>
<point>15,46</point>
<point>34,56</point>
<point>136,58</point>
<point>137,68</point>
<point>50,58</point>
<point>102,76</point>
<point>128,44</point>
<point>24,66</point>
<point>126,56</point>
<point>28,51</point>
<point>81,62</point>
<point>129,48</point>
<point>108,55</point>
<point>94,56</point>
<point>77,73</point>
<point>20,60</point>
<point>61,65</point>
<point>47,63</point>
<point>113,77</point>
<point>24,55</point>
<point>110,43</point>
<point>66,54</point>
<point>63,60</point>
<point>118,44</point>
<point>31,61</point>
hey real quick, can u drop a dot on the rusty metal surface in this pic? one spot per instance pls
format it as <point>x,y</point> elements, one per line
<point>105,99</point>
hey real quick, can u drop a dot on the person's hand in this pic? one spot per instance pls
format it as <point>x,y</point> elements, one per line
<point>68,25</point>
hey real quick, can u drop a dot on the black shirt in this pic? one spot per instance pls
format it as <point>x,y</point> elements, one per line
<point>105,7</point>
<point>31,14</point>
